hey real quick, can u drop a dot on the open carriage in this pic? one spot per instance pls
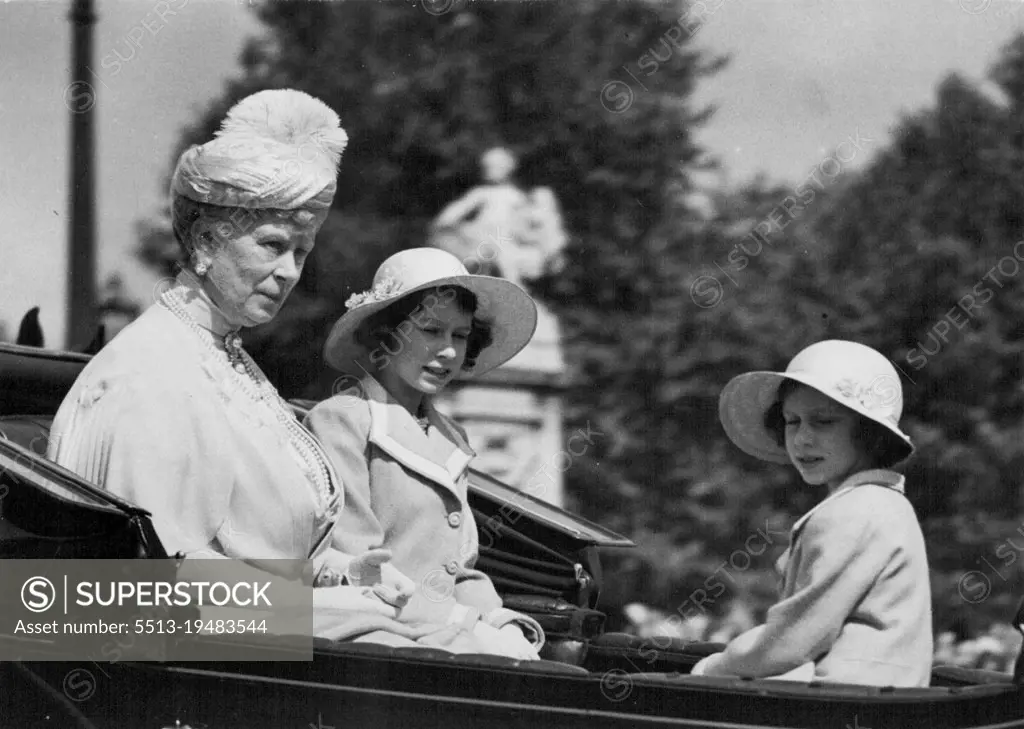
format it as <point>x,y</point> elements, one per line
<point>545,561</point>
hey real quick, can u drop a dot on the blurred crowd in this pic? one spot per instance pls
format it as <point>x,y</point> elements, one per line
<point>996,649</point>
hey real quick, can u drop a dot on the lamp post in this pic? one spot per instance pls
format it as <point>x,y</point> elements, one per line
<point>80,99</point>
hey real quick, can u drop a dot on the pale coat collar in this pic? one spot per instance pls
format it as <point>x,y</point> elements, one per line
<point>201,307</point>
<point>876,476</point>
<point>442,455</point>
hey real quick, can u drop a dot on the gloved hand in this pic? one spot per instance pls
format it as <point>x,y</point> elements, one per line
<point>700,668</point>
<point>711,666</point>
<point>373,569</point>
<point>507,641</point>
<point>514,633</point>
<point>528,626</point>
<point>346,597</point>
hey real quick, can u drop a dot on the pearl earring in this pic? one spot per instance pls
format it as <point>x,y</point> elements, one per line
<point>202,268</point>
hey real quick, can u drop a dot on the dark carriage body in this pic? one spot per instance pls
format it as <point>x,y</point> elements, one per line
<point>545,561</point>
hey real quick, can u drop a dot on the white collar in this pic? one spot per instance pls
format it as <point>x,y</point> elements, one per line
<point>877,476</point>
<point>442,456</point>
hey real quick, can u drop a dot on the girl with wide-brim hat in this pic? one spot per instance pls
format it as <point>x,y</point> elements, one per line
<point>425,321</point>
<point>856,602</point>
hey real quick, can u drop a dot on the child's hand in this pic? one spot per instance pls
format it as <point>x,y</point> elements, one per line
<point>373,569</point>
<point>706,666</point>
<point>514,634</point>
<point>507,641</point>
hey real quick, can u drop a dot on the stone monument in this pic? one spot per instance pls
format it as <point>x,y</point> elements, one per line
<point>513,414</point>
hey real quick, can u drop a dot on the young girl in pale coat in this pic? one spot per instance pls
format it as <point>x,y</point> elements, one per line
<point>403,464</point>
<point>856,602</point>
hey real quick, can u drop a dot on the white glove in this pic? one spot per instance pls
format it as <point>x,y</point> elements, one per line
<point>508,641</point>
<point>372,569</point>
<point>702,666</point>
<point>514,634</point>
<point>337,609</point>
<point>345,597</point>
<point>709,666</point>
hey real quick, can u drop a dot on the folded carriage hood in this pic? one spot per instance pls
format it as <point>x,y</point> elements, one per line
<point>565,522</point>
<point>34,380</point>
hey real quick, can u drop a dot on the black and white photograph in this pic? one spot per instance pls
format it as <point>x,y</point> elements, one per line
<point>586,364</point>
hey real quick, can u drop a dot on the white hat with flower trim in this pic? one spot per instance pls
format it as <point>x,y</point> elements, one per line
<point>854,375</point>
<point>505,306</point>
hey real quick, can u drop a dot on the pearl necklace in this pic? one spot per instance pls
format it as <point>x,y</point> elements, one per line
<point>255,384</point>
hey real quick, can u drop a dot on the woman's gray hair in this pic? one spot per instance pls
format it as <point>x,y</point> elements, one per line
<point>186,214</point>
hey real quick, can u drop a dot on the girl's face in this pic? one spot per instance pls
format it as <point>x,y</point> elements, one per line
<point>821,438</point>
<point>431,350</point>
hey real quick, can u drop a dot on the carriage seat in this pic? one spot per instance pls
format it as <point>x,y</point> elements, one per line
<point>633,654</point>
<point>29,431</point>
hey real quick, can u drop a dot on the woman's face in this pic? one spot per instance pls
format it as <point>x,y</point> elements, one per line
<point>431,349</point>
<point>253,266</point>
<point>821,438</point>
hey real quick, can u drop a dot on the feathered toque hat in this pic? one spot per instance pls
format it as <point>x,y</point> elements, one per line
<point>275,149</point>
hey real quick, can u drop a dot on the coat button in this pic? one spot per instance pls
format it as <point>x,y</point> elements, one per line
<point>454,519</point>
<point>452,567</point>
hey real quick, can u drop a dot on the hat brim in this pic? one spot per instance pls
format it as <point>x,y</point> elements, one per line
<point>504,305</point>
<point>746,399</point>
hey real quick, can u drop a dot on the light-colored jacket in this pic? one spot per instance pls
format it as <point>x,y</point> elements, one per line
<point>856,599</point>
<point>155,419</point>
<point>159,418</point>
<point>406,490</point>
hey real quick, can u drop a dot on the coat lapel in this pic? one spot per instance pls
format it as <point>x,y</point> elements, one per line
<point>878,476</point>
<point>448,437</point>
<point>442,456</point>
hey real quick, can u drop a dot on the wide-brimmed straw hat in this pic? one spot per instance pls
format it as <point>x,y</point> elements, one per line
<point>852,374</point>
<point>510,311</point>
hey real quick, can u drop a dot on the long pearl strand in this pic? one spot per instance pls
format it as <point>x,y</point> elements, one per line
<point>254,383</point>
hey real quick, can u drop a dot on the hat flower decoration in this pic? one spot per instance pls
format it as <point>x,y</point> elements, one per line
<point>385,289</point>
<point>871,397</point>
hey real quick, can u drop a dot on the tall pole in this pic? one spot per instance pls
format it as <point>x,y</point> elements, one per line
<point>80,98</point>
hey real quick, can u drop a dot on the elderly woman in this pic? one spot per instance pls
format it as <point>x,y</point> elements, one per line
<point>176,417</point>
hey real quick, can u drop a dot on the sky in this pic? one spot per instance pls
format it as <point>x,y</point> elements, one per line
<point>804,76</point>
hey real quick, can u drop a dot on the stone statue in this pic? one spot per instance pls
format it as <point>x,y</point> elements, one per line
<point>498,229</point>
<point>515,422</point>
